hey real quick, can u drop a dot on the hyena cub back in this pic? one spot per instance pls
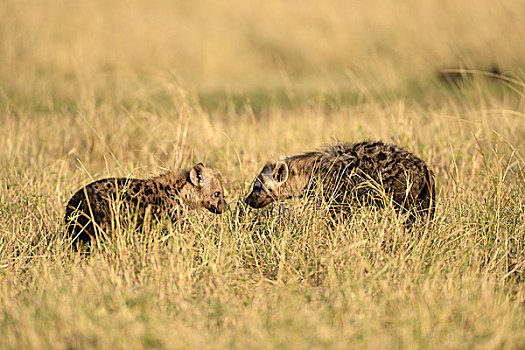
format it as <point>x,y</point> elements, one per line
<point>93,208</point>
<point>365,172</point>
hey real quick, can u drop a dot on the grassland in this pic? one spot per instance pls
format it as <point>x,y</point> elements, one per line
<point>128,88</point>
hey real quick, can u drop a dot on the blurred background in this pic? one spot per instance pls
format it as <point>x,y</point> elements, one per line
<point>56,54</point>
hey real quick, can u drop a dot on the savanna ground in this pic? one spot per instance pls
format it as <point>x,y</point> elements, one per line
<point>128,88</point>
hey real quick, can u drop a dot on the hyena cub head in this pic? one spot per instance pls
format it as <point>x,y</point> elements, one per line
<point>206,189</point>
<point>276,181</point>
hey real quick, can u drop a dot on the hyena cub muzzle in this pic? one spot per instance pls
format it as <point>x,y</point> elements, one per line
<point>95,208</point>
<point>345,174</point>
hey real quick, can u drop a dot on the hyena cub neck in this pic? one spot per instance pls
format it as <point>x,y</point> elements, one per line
<point>348,173</point>
<point>95,207</point>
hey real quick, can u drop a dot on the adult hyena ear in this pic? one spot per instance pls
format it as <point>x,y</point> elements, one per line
<point>196,174</point>
<point>280,172</point>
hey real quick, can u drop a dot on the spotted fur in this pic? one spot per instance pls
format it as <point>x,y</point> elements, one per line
<point>94,207</point>
<point>348,173</point>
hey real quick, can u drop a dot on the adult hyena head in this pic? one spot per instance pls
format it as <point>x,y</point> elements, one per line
<point>206,190</point>
<point>276,181</point>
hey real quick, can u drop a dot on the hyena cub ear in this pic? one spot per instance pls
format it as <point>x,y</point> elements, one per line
<point>280,172</point>
<point>196,174</point>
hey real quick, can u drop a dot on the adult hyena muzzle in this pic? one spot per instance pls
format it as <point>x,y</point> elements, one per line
<point>268,185</point>
<point>258,200</point>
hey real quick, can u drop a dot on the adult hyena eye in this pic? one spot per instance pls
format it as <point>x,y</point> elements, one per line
<point>217,194</point>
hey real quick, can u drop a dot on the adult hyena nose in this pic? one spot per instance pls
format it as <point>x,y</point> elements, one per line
<point>250,201</point>
<point>256,201</point>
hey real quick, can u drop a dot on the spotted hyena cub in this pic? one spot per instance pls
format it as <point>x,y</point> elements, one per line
<point>98,204</point>
<point>348,173</point>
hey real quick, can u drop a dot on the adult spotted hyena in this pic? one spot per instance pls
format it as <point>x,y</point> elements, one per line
<point>95,206</point>
<point>348,173</point>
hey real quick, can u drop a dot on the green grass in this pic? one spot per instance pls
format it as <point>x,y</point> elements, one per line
<point>95,90</point>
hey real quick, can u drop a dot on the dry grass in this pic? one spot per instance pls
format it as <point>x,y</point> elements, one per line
<point>95,89</point>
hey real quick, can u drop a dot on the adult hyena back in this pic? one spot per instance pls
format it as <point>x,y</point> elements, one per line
<point>95,207</point>
<point>367,172</point>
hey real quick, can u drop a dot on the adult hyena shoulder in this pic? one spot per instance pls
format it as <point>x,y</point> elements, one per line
<point>96,206</point>
<point>346,173</point>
